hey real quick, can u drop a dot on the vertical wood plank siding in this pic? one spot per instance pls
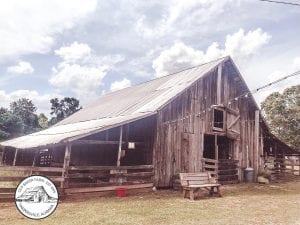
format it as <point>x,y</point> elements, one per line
<point>180,129</point>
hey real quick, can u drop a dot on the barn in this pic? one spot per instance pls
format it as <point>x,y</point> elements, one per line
<point>200,119</point>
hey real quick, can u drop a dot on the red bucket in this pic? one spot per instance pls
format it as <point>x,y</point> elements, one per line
<point>121,192</point>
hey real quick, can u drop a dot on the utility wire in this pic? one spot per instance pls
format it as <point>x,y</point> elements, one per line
<point>280,2</point>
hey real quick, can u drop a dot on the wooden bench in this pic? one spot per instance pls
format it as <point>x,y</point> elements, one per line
<point>192,182</point>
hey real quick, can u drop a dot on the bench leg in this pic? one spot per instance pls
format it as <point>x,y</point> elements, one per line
<point>219,191</point>
<point>184,193</point>
<point>192,197</point>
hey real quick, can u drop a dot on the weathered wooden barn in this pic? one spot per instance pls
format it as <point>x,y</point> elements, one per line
<point>202,118</point>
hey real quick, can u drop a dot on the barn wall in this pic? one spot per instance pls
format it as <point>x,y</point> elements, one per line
<point>182,123</point>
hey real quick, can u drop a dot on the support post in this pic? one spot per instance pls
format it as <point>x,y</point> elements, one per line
<point>2,156</point>
<point>36,154</point>
<point>64,183</point>
<point>120,146</point>
<point>15,158</point>
<point>256,143</point>
<point>216,148</point>
<point>219,83</point>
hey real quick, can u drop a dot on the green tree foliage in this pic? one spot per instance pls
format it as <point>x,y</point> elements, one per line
<point>43,121</point>
<point>26,110</point>
<point>10,125</point>
<point>282,112</point>
<point>63,108</point>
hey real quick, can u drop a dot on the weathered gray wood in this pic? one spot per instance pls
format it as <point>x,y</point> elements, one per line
<point>191,182</point>
<point>109,188</point>
<point>110,167</point>
<point>256,143</point>
<point>120,147</point>
<point>30,168</point>
<point>64,183</point>
<point>15,157</point>
<point>219,83</point>
<point>94,142</point>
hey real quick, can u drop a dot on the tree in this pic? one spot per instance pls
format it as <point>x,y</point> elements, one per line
<point>10,124</point>
<point>43,121</point>
<point>25,109</point>
<point>63,108</point>
<point>282,112</point>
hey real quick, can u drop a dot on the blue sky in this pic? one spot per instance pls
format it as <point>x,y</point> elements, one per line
<point>87,48</point>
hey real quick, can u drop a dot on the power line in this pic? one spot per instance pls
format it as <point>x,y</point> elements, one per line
<point>280,2</point>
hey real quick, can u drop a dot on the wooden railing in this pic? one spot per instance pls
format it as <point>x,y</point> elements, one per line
<point>283,166</point>
<point>10,176</point>
<point>225,170</point>
<point>82,178</point>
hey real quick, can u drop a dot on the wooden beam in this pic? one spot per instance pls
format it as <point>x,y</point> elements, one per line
<point>64,183</point>
<point>256,142</point>
<point>216,148</point>
<point>109,188</point>
<point>219,83</point>
<point>120,146</point>
<point>138,167</point>
<point>95,142</point>
<point>29,168</point>
<point>15,157</point>
<point>2,156</point>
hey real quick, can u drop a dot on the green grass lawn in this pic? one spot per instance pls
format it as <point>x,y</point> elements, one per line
<point>240,204</point>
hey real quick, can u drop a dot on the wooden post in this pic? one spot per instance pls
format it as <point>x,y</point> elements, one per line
<point>2,156</point>
<point>64,183</point>
<point>216,148</point>
<point>15,158</point>
<point>36,153</point>
<point>219,83</point>
<point>120,146</point>
<point>256,143</point>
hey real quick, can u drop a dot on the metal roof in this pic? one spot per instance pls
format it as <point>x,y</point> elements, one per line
<point>116,108</point>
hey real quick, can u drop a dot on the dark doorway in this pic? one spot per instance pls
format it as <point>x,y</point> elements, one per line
<point>223,143</point>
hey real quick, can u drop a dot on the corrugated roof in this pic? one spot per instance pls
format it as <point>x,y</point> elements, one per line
<point>116,108</point>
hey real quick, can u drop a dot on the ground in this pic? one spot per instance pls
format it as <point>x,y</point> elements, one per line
<point>241,204</point>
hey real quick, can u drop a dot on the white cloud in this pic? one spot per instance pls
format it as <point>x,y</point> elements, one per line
<point>21,68</point>
<point>243,44</point>
<point>180,56</point>
<point>31,26</point>
<point>84,81</point>
<point>174,16</point>
<point>74,52</point>
<point>118,85</point>
<point>41,101</point>
<point>296,63</point>
<point>81,71</point>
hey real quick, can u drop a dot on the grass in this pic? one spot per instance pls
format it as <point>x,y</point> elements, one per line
<point>240,204</point>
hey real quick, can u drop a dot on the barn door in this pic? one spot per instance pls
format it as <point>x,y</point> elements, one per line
<point>233,123</point>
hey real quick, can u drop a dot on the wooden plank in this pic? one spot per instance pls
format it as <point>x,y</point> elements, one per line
<point>10,179</point>
<point>210,160</point>
<point>219,83</point>
<point>233,122</point>
<point>210,166</point>
<point>86,175</point>
<point>30,168</point>
<point>120,147</point>
<point>95,142</point>
<point>256,143</point>
<point>66,164</point>
<point>7,190</point>
<point>15,157</point>
<point>110,167</point>
<point>109,188</point>
<point>216,148</point>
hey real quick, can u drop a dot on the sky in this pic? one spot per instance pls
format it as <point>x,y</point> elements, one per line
<point>86,48</point>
